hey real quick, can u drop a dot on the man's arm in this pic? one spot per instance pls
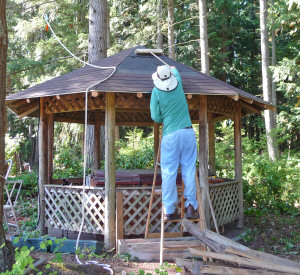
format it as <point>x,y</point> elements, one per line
<point>176,73</point>
<point>154,108</point>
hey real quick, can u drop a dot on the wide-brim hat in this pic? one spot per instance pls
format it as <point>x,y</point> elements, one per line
<point>164,79</point>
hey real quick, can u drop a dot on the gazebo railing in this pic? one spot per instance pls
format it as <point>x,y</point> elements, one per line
<point>63,208</point>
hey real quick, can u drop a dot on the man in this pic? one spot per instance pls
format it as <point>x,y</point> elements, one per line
<point>178,146</point>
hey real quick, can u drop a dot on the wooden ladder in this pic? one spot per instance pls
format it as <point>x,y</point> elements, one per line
<point>163,234</point>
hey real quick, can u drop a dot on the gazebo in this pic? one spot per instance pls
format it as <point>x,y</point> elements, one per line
<point>116,210</point>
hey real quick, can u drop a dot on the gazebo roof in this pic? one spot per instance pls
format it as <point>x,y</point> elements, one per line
<point>133,75</point>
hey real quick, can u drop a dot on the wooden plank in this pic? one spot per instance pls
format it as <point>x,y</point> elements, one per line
<point>156,140</point>
<point>110,173</point>
<point>29,111</point>
<point>199,234</point>
<point>119,215</point>
<point>246,262</point>
<point>258,255</point>
<point>43,163</point>
<point>149,249</point>
<point>234,97</point>
<point>238,162</point>
<point>97,139</point>
<point>167,235</point>
<point>211,145</point>
<point>203,154</point>
<point>248,100</point>
<point>226,270</point>
<point>250,108</point>
<point>50,147</point>
<point>223,240</point>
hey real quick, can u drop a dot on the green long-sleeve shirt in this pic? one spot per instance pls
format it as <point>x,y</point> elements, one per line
<point>170,107</point>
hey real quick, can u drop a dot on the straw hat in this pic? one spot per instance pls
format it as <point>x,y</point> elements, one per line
<point>164,79</point>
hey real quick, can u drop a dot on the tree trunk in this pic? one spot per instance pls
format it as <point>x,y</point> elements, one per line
<point>203,37</point>
<point>7,251</point>
<point>159,24</point>
<point>97,50</point>
<point>97,30</point>
<point>274,95</point>
<point>171,37</point>
<point>266,83</point>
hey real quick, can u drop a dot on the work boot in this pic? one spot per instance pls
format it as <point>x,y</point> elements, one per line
<point>170,217</point>
<point>191,213</point>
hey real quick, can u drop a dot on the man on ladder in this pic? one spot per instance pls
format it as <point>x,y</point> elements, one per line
<point>178,146</point>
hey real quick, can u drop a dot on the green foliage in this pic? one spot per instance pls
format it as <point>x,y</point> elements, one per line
<point>135,152</point>
<point>23,260</point>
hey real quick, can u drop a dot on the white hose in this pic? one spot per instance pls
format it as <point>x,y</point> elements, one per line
<point>105,266</point>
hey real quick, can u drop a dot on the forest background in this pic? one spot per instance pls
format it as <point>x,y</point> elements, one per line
<point>233,31</point>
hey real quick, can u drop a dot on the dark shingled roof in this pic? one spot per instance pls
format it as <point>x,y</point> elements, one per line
<point>133,75</point>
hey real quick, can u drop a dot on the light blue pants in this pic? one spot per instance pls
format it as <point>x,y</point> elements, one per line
<point>178,147</point>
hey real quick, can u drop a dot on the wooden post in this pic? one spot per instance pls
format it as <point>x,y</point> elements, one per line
<point>238,162</point>
<point>119,215</point>
<point>156,140</point>
<point>203,152</point>
<point>97,139</point>
<point>211,141</point>
<point>50,147</point>
<point>43,163</point>
<point>110,175</point>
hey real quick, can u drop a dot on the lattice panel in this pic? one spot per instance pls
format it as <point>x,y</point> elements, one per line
<point>221,105</point>
<point>136,205</point>
<point>225,202</point>
<point>63,208</point>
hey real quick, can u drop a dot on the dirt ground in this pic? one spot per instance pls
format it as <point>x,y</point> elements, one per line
<point>277,235</point>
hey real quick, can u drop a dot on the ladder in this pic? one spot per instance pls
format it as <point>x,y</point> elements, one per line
<point>201,220</point>
<point>9,207</point>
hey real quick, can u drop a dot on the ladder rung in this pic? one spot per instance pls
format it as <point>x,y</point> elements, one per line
<point>180,220</point>
<point>166,234</point>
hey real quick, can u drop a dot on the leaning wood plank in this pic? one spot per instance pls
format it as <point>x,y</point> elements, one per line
<point>252,254</point>
<point>195,231</point>
<point>223,240</point>
<point>194,266</point>
<point>246,262</point>
<point>226,270</point>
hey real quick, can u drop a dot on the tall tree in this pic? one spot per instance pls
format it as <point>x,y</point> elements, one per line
<point>203,37</point>
<point>97,50</point>
<point>171,35</point>
<point>159,24</point>
<point>6,251</point>
<point>266,81</point>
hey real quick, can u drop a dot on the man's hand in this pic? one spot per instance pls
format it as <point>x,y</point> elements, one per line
<point>172,67</point>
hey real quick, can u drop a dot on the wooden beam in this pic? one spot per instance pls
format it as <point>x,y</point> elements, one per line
<point>43,164</point>
<point>248,100</point>
<point>250,108</point>
<point>211,145</point>
<point>156,140</point>
<point>29,111</point>
<point>238,162</point>
<point>97,139</point>
<point>203,152</point>
<point>246,262</point>
<point>221,118</point>
<point>119,215</point>
<point>110,173</point>
<point>234,97</point>
<point>50,147</point>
